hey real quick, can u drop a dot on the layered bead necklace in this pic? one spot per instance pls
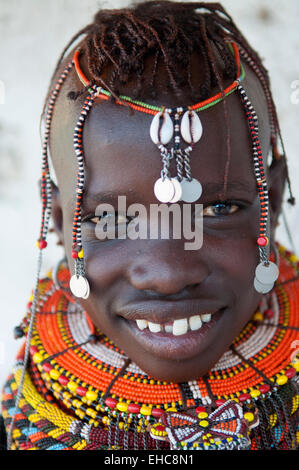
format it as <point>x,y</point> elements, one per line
<point>82,392</point>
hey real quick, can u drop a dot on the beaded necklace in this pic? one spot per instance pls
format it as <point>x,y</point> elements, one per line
<point>82,392</point>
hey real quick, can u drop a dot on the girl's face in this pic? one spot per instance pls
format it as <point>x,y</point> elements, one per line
<point>158,280</point>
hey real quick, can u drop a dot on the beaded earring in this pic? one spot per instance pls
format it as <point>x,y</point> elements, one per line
<point>266,272</point>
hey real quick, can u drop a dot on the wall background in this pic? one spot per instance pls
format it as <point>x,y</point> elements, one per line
<point>32,35</point>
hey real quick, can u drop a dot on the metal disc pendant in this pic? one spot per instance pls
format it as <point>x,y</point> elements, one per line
<point>166,129</point>
<point>164,190</point>
<point>263,288</point>
<point>87,292</point>
<point>177,190</point>
<point>191,190</point>
<point>267,274</point>
<point>79,286</point>
<point>191,131</point>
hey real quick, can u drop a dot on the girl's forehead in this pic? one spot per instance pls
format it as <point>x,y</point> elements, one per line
<point>117,143</point>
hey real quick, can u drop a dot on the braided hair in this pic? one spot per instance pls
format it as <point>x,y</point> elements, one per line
<point>171,32</point>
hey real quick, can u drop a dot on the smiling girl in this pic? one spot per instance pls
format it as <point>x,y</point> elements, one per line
<point>140,343</point>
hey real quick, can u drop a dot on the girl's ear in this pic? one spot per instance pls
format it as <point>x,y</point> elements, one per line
<point>276,182</point>
<point>57,216</point>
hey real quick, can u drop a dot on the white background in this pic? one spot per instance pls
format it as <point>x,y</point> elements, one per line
<point>32,35</point>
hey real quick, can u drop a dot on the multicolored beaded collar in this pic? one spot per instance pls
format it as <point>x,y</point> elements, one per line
<point>248,400</point>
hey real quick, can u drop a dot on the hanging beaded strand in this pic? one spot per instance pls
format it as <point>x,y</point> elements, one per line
<point>79,285</point>
<point>266,272</point>
<point>46,196</point>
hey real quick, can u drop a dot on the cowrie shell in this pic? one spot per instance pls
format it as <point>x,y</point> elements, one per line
<point>166,131</point>
<point>194,132</point>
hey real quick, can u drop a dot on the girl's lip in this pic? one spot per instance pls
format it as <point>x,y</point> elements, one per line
<point>168,346</point>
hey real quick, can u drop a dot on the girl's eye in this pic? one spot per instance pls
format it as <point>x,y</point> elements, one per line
<point>220,208</point>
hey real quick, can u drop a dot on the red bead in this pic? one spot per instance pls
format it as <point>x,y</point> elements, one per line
<point>269,313</point>
<point>262,241</point>
<point>29,305</point>
<point>42,244</point>
<point>81,391</point>
<point>201,409</point>
<point>134,408</point>
<point>220,402</point>
<point>63,380</point>
<point>74,254</point>
<point>111,402</point>
<point>290,372</point>
<point>33,350</point>
<point>264,388</point>
<point>157,412</point>
<point>47,366</point>
<point>244,397</point>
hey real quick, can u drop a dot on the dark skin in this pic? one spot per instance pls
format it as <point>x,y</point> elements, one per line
<point>121,159</point>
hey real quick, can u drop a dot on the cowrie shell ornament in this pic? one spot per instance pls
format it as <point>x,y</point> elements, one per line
<point>191,131</point>
<point>166,129</point>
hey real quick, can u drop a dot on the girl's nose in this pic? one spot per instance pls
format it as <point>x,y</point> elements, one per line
<point>167,268</point>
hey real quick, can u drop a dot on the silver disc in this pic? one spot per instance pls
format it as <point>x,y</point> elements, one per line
<point>267,274</point>
<point>87,292</point>
<point>177,190</point>
<point>164,190</point>
<point>191,190</point>
<point>263,288</point>
<point>79,286</point>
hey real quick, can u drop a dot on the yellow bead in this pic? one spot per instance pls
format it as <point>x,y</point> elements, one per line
<point>54,374</point>
<point>294,259</point>
<point>249,417</point>
<point>72,386</point>
<point>255,393</point>
<point>202,415</point>
<point>258,316</point>
<point>145,410</point>
<point>57,387</point>
<point>204,423</point>
<point>296,365</point>
<point>37,358</point>
<point>282,380</point>
<point>81,254</point>
<point>31,298</point>
<point>172,408</point>
<point>122,406</point>
<point>91,396</point>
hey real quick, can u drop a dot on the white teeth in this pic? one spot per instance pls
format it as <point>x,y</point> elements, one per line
<point>142,324</point>
<point>168,328</point>
<point>206,317</point>
<point>154,327</point>
<point>180,327</point>
<point>195,322</point>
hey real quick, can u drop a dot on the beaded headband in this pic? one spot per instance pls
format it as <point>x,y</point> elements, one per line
<point>167,125</point>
